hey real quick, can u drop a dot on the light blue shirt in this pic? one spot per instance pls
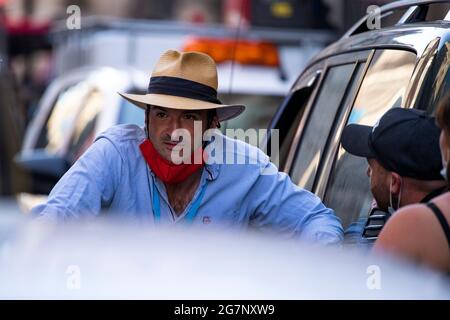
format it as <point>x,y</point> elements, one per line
<point>113,176</point>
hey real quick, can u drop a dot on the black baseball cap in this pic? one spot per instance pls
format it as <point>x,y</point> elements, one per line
<point>405,141</point>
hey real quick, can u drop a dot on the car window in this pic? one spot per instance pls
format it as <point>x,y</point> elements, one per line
<point>84,128</point>
<point>436,11</point>
<point>131,114</point>
<point>61,119</point>
<point>288,116</point>
<point>293,115</point>
<point>326,162</point>
<point>319,123</point>
<point>383,87</point>
<point>439,85</point>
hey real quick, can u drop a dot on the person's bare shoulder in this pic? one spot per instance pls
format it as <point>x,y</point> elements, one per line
<point>414,232</point>
<point>402,232</point>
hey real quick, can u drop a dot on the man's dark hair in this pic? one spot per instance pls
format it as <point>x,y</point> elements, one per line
<point>209,118</point>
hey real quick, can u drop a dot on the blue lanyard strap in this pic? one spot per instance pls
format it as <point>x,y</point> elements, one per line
<point>190,215</point>
<point>156,205</point>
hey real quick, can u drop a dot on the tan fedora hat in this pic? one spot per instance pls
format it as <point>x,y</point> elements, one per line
<point>186,81</point>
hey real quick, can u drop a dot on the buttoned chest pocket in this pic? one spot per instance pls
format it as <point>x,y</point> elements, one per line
<point>223,215</point>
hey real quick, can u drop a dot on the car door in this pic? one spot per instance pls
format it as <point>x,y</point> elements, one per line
<point>356,87</point>
<point>289,116</point>
<point>342,181</point>
<point>338,82</point>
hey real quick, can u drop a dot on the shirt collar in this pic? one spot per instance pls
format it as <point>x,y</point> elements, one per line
<point>212,171</point>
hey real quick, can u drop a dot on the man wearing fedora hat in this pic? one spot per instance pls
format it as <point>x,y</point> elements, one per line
<point>132,172</point>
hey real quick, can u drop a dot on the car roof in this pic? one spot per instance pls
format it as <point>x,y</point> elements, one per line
<point>408,33</point>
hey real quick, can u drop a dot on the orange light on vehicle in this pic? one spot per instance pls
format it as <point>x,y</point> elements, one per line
<point>244,52</point>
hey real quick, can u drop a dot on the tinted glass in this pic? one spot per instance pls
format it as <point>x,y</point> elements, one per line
<point>319,124</point>
<point>292,113</point>
<point>383,87</point>
<point>61,120</point>
<point>437,11</point>
<point>84,129</point>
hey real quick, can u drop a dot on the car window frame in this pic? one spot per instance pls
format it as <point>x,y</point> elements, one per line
<point>320,71</point>
<point>330,161</point>
<point>308,81</point>
<point>65,145</point>
<point>45,108</point>
<point>420,88</point>
<point>330,62</point>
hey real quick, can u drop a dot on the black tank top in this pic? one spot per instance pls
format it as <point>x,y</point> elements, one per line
<point>441,218</point>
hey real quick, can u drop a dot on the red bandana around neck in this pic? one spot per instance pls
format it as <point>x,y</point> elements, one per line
<point>166,171</point>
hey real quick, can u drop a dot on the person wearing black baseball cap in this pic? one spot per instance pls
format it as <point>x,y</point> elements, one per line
<point>404,158</point>
<point>421,232</point>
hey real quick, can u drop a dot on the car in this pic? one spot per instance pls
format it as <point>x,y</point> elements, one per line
<point>356,80</point>
<point>74,109</point>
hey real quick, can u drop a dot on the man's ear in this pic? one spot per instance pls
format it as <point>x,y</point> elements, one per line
<point>396,183</point>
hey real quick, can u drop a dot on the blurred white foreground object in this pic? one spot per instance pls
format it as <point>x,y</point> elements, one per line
<point>115,260</point>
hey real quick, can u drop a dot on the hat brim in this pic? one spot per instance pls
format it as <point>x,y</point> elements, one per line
<point>224,111</point>
<point>355,140</point>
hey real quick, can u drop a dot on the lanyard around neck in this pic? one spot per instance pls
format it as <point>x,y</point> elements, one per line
<point>190,215</point>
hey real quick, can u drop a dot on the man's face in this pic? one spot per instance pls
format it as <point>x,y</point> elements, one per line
<point>380,180</point>
<point>162,122</point>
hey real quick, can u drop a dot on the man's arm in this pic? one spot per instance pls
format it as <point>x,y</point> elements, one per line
<point>88,186</point>
<point>291,210</point>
